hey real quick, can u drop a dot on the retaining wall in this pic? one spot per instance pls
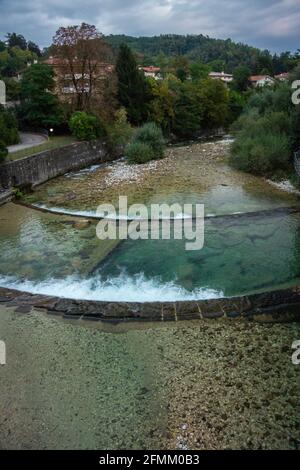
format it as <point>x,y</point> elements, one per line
<point>41,167</point>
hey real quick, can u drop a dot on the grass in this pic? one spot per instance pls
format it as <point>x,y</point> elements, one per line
<point>52,143</point>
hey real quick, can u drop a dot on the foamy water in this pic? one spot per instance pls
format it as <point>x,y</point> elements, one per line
<point>118,289</point>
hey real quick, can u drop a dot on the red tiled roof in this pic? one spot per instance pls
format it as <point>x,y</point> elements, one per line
<point>282,75</point>
<point>257,78</point>
<point>151,69</point>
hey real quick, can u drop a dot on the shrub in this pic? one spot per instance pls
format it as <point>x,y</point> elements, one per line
<point>265,154</point>
<point>139,152</point>
<point>120,132</point>
<point>3,151</point>
<point>85,126</point>
<point>150,134</point>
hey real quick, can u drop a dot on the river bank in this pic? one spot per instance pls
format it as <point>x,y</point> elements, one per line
<point>196,385</point>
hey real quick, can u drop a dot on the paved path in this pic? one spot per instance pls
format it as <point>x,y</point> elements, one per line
<point>28,139</point>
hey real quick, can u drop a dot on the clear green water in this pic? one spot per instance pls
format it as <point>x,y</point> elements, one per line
<point>50,254</point>
<point>60,255</point>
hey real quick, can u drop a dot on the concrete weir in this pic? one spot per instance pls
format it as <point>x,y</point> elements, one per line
<point>274,306</point>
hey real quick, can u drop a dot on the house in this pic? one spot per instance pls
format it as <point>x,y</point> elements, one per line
<point>68,83</point>
<point>151,71</point>
<point>224,77</point>
<point>282,77</point>
<point>261,80</point>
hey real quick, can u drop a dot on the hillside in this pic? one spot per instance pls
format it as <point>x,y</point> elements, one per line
<point>221,54</point>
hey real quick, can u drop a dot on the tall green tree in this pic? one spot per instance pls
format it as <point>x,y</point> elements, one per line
<point>241,78</point>
<point>14,39</point>
<point>39,105</point>
<point>8,127</point>
<point>134,91</point>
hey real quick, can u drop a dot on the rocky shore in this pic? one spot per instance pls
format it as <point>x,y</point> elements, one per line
<point>195,385</point>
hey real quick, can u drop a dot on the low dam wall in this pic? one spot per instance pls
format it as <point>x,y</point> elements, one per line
<point>275,306</point>
<point>41,167</point>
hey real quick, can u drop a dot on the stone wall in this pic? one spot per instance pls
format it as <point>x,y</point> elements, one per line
<point>276,306</point>
<point>41,167</point>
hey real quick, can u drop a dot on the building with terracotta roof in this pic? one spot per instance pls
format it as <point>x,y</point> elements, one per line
<point>261,80</point>
<point>70,79</point>
<point>151,71</point>
<point>224,77</point>
<point>282,77</point>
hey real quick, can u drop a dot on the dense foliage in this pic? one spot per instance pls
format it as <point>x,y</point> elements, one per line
<point>16,54</point>
<point>133,88</point>
<point>85,126</point>
<point>220,54</point>
<point>148,144</point>
<point>138,152</point>
<point>8,127</point>
<point>191,107</point>
<point>39,106</point>
<point>3,151</point>
<point>267,133</point>
<point>119,132</point>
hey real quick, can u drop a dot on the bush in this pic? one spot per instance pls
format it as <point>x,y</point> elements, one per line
<point>150,134</point>
<point>265,154</point>
<point>120,132</point>
<point>3,151</point>
<point>139,152</point>
<point>86,126</point>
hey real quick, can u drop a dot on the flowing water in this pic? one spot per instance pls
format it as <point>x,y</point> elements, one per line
<point>250,252</point>
<point>183,385</point>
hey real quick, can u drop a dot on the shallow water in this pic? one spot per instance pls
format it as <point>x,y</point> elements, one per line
<point>172,386</point>
<point>193,174</point>
<point>61,255</point>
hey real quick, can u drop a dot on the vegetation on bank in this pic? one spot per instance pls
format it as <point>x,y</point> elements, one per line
<point>8,127</point>
<point>85,126</point>
<point>268,132</point>
<point>52,143</point>
<point>148,143</point>
<point>3,152</point>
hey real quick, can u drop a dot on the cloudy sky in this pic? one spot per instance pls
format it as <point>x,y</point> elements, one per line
<point>271,24</point>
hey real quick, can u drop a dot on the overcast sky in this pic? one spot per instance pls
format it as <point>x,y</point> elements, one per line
<point>269,24</point>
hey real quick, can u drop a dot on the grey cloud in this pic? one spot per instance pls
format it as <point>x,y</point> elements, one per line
<point>269,24</point>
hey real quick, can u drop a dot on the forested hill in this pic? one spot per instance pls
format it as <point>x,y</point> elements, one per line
<point>221,54</point>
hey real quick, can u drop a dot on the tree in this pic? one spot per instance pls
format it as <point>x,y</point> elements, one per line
<point>14,39</point>
<point>188,110</point>
<point>214,98</point>
<point>39,106</point>
<point>32,47</point>
<point>133,88</point>
<point>8,127</point>
<point>181,67</point>
<point>162,105</point>
<point>84,58</point>
<point>85,126</point>
<point>14,60</point>
<point>3,151</point>
<point>241,77</point>
<point>199,70</point>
